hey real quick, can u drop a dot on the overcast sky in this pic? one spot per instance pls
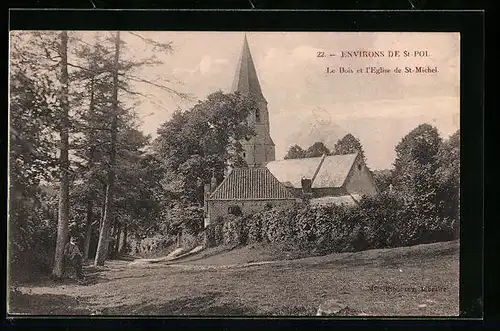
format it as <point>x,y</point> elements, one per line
<point>305,103</point>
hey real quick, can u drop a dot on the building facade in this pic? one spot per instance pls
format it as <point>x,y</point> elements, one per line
<point>245,191</point>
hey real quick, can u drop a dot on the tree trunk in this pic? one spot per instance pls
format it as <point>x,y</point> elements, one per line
<point>63,215</point>
<point>102,247</point>
<point>90,196</point>
<point>179,238</point>
<point>88,232</point>
<point>117,239</point>
<point>123,240</point>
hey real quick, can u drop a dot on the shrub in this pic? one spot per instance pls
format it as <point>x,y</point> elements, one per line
<point>386,220</point>
<point>213,233</point>
<point>232,230</point>
<point>254,228</point>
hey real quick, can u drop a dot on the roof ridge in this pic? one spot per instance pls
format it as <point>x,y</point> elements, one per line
<point>260,184</point>
<point>314,157</point>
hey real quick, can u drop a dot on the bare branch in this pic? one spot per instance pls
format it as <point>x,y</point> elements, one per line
<point>183,96</point>
<point>166,47</point>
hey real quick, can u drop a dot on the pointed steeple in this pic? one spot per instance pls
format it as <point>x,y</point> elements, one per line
<point>246,81</point>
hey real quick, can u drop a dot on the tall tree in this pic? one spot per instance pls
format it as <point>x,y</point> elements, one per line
<point>416,160</point>
<point>348,145</point>
<point>448,177</point>
<point>201,141</point>
<point>317,149</point>
<point>102,248</point>
<point>93,109</point>
<point>62,227</point>
<point>295,152</point>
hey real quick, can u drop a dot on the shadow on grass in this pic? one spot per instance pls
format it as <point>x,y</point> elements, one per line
<point>202,255</point>
<point>45,304</point>
<point>392,257</point>
<point>205,305</point>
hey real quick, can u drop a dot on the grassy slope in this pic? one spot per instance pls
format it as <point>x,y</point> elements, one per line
<point>378,282</point>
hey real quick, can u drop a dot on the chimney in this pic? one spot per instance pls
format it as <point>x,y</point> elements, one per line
<point>306,184</point>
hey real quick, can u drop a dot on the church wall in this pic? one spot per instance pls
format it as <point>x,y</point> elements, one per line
<point>360,181</point>
<point>328,192</point>
<point>218,208</point>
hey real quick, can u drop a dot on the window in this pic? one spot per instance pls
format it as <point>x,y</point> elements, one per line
<point>244,154</point>
<point>359,166</point>
<point>234,210</point>
<point>257,115</point>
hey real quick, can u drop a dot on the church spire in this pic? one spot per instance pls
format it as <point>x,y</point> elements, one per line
<point>245,80</point>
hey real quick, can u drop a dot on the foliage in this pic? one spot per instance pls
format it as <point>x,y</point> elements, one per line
<point>295,152</point>
<point>201,141</point>
<point>348,145</point>
<point>317,149</point>
<point>383,179</point>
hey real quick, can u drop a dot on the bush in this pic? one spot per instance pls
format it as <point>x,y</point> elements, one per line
<point>213,233</point>
<point>254,228</point>
<point>151,246</point>
<point>232,230</point>
<point>383,221</point>
<point>277,225</point>
<point>32,237</point>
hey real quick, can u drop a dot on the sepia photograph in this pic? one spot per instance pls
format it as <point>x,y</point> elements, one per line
<point>240,174</point>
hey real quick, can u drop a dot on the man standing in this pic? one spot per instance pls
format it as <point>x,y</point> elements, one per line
<point>73,257</point>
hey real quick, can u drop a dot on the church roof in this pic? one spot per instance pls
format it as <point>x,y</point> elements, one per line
<point>250,184</point>
<point>245,80</point>
<point>333,171</point>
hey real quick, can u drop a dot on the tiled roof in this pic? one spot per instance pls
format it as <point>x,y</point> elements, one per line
<point>245,80</point>
<point>250,184</point>
<point>333,171</point>
<point>290,172</point>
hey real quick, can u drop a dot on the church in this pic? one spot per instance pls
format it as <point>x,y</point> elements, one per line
<point>267,182</point>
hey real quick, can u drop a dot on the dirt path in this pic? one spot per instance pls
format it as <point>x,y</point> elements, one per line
<point>420,280</point>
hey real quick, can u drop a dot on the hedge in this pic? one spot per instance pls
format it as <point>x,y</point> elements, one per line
<point>385,221</point>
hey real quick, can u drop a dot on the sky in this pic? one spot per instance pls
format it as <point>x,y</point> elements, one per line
<point>307,104</point>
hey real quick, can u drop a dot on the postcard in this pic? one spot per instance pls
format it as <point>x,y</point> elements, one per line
<point>234,174</point>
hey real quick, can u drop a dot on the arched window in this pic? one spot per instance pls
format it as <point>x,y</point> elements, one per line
<point>257,115</point>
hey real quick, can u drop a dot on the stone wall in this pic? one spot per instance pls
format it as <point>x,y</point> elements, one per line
<point>220,208</point>
<point>360,180</point>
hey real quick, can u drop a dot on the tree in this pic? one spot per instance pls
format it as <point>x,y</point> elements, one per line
<point>202,140</point>
<point>295,152</point>
<point>383,179</point>
<point>416,160</point>
<point>448,177</point>
<point>348,145</point>
<point>102,248</point>
<point>62,227</point>
<point>317,149</point>
<point>31,161</point>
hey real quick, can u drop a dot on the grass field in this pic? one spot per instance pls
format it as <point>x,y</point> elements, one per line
<point>409,281</point>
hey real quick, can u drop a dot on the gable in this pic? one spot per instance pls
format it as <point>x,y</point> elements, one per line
<point>250,184</point>
<point>360,180</point>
